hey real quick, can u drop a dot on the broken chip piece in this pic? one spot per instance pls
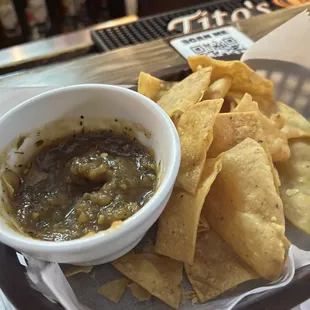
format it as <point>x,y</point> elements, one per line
<point>113,290</point>
<point>139,292</point>
<point>160,276</point>
<point>77,269</point>
<point>216,268</point>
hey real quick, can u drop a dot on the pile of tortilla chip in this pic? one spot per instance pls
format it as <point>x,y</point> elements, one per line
<point>245,167</point>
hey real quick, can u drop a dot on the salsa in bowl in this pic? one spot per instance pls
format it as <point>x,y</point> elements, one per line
<point>85,171</point>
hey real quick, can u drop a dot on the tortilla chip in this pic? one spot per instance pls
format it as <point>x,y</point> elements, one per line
<point>219,88</point>
<point>266,104</point>
<point>216,268</point>
<point>295,179</point>
<point>160,276</point>
<point>195,129</point>
<point>77,269</point>
<point>276,140</point>
<point>232,128</point>
<point>113,290</point>
<point>244,208</point>
<point>294,124</point>
<point>177,226</point>
<point>186,93</point>
<point>139,292</point>
<point>243,77</point>
<point>153,87</point>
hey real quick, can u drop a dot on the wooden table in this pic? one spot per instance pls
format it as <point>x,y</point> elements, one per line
<point>122,67</point>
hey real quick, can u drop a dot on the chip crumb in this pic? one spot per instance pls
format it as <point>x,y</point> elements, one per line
<point>114,290</point>
<point>139,292</point>
<point>77,269</point>
<point>291,192</point>
<point>203,225</point>
<point>185,295</point>
<point>188,294</point>
<point>194,301</point>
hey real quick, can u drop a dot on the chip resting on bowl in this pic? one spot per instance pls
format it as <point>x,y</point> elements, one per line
<point>244,208</point>
<point>295,178</point>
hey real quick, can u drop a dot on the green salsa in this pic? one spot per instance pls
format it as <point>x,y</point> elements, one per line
<point>82,184</point>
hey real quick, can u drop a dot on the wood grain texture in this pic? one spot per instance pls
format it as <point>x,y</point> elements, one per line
<point>118,67</point>
<point>123,66</point>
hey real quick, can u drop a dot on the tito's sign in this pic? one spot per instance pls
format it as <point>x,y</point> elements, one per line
<point>203,19</point>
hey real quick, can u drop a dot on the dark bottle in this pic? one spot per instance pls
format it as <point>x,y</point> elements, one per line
<point>117,8</point>
<point>97,10</point>
<point>70,15</point>
<point>38,19</point>
<point>56,14</point>
<point>11,30</point>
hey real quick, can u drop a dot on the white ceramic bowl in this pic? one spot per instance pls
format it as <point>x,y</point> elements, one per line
<point>94,102</point>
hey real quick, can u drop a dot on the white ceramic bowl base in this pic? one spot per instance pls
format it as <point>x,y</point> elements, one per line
<point>94,102</point>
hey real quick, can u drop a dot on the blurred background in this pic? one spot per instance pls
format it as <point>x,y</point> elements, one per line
<point>28,20</point>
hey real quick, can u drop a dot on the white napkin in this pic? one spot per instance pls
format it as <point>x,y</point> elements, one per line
<point>4,302</point>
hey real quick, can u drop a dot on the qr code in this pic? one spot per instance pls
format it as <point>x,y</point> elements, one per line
<point>219,42</point>
<point>218,48</point>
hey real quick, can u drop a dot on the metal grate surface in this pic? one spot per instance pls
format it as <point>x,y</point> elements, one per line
<point>155,26</point>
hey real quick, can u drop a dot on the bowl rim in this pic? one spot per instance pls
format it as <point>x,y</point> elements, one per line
<point>164,189</point>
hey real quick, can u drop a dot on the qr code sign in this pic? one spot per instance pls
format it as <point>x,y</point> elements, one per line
<point>214,43</point>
